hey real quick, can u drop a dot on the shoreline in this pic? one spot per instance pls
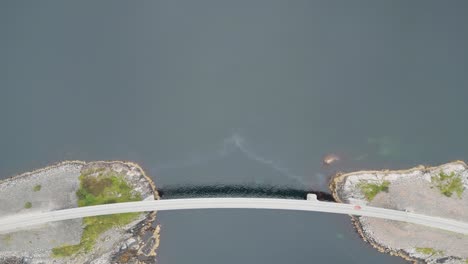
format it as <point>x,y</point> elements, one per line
<point>340,177</point>
<point>43,169</point>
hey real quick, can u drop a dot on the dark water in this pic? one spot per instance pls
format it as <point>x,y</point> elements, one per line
<point>260,191</point>
<point>243,93</point>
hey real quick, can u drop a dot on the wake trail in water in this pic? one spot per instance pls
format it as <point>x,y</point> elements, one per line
<point>230,145</point>
<point>239,142</point>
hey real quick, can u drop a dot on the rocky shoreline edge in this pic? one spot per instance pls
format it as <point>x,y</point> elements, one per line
<point>139,239</point>
<point>336,187</point>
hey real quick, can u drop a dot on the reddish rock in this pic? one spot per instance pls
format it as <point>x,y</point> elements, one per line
<point>330,158</point>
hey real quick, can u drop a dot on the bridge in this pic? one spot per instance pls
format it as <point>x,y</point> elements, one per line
<point>22,221</point>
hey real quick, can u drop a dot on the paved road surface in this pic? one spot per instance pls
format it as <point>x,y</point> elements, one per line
<point>22,221</point>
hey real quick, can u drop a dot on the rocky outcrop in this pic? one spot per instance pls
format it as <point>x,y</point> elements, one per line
<point>54,188</point>
<point>417,190</point>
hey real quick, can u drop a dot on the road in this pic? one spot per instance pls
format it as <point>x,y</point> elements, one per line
<point>22,221</point>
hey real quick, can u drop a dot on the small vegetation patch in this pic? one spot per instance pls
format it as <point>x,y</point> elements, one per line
<point>104,188</point>
<point>37,188</point>
<point>7,239</point>
<point>448,183</point>
<point>429,251</point>
<point>90,171</point>
<point>370,190</point>
<point>27,205</point>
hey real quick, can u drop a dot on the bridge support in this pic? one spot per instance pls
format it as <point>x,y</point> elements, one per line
<point>312,197</point>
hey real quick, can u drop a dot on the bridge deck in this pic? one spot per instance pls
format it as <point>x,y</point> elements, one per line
<point>21,221</point>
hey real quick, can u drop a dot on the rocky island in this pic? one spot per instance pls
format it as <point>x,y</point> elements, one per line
<point>435,191</point>
<point>120,238</point>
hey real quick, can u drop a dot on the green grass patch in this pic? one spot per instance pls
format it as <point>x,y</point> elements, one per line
<point>370,190</point>
<point>429,251</point>
<point>90,171</point>
<point>448,184</point>
<point>7,238</point>
<point>37,188</point>
<point>106,188</point>
<point>27,205</point>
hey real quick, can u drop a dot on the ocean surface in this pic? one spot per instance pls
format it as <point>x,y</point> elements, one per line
<point>237,93</point>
